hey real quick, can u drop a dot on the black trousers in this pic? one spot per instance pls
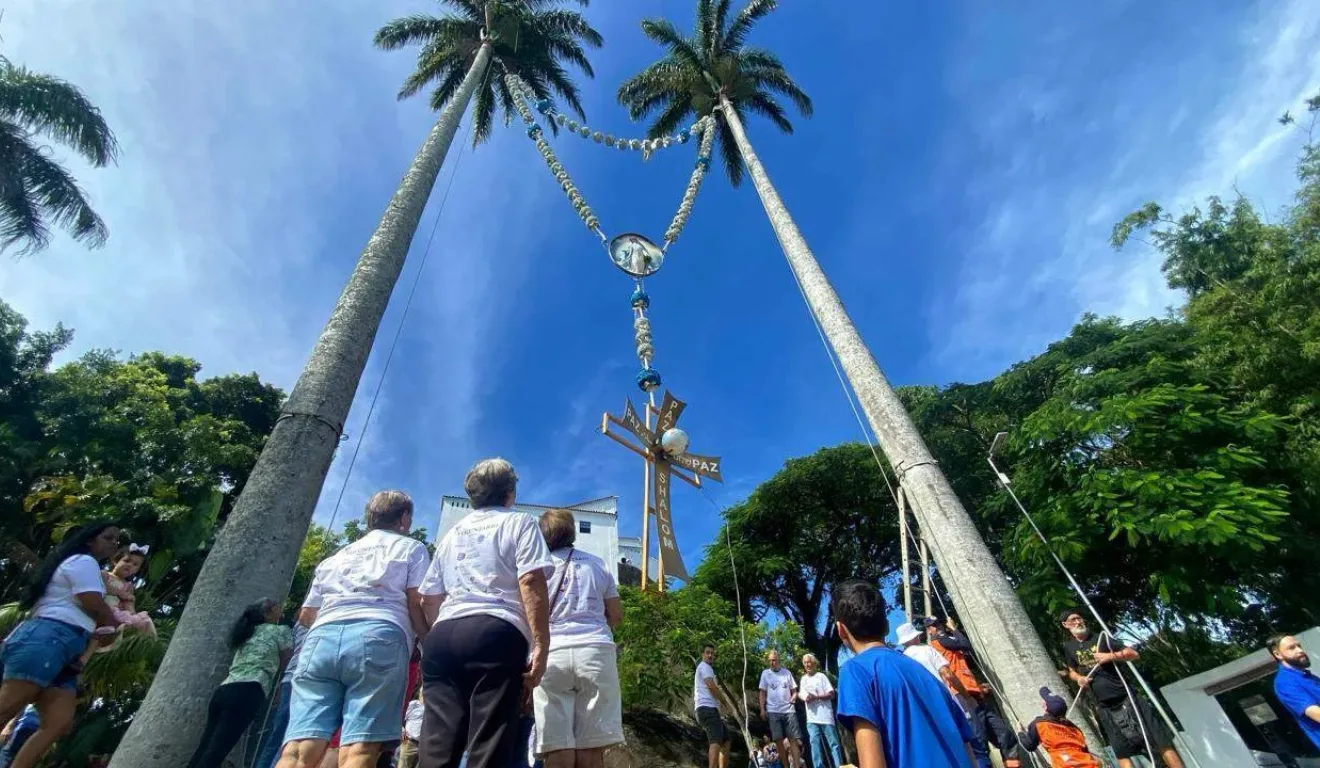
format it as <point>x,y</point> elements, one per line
<point>233,708</point>
<point>991,728</point>
<point>472,681</point>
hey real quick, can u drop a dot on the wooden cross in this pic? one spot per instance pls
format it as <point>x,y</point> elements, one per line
<point>663,451</point>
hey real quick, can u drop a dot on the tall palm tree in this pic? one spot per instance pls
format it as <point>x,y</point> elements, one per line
<point>36,191</point>
<point>714,71</point>
<point>256,551</point>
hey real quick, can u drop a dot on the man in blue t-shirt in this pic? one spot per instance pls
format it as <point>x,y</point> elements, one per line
<point>901,715</point>
<point>1296,688</point>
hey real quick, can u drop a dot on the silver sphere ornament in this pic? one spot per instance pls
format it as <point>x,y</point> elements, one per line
<point>674,442</point>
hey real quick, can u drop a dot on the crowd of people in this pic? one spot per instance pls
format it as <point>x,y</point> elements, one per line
<point>921,705</point>
<point>395,658</point>
<point>499,652</point>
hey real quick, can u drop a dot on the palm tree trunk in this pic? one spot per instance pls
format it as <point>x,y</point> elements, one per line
<point>256,551</point>
<point>983,596</point>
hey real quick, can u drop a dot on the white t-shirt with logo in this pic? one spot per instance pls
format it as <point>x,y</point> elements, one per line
<point>778,687</point>
<point>479,562</point>
<point>367,579</point>
<point>77,575</point>
<point>577,615</point>
<point>927,657</point>
<point>820,711</point>
<point>701,695</point>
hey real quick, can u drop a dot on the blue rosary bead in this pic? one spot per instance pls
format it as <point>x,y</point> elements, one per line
<point>543,106</point>
<point>648,379</point>
<point>639,299</point>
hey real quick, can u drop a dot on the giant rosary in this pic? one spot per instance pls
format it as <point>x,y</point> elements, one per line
<point>662,446</point>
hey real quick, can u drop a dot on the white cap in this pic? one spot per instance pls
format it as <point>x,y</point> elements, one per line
<point>907,633</point>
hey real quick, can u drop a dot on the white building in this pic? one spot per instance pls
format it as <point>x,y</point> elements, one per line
<point>1230,716</point>
<point>597,520</point>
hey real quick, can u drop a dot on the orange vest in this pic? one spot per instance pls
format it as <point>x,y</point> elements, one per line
<point>958,665</point>
<point>1065,744</point>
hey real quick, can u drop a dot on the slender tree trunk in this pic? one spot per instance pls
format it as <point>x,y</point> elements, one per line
<point>982,594</point>
<point>256,551</point>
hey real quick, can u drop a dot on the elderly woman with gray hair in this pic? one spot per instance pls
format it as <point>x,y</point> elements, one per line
<point>486,596</point>
<point>579,709</point>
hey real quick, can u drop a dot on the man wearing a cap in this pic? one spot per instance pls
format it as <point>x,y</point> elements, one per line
<point>910,639</point>
<point>990,728</point>
<point>1063,741</point>
<point>1128,720</point>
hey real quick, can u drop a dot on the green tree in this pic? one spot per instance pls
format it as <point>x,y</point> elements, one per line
<point>661,638</point>
<point>38,192</point>
<point>822,519</point>
<point>256,554</point>
<point>714,71</point>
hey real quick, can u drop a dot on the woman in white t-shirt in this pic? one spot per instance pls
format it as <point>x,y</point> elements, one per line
<point>67,603</point>
<point>365,616</point>
<point>486,593</point>
<point>579,710</point>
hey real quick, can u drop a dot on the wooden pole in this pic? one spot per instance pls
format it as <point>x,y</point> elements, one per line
<point>646,514</point>
<point>907,561</point>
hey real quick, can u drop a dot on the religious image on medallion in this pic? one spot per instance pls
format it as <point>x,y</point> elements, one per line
<point>636,255</point>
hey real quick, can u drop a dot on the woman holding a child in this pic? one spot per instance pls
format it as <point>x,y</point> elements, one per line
<point>66,600</point>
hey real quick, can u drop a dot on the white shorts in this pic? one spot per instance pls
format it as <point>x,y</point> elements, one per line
<point>578,704</point>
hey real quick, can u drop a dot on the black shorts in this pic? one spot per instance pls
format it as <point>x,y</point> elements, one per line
<point>784,725</point>
<point>1124,732</point>
<point>710,721</point>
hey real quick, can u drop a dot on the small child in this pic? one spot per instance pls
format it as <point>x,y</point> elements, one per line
<point>1061,739</point>
<point>125,565</point>
<point>119,595</point>
<point>771,754</point>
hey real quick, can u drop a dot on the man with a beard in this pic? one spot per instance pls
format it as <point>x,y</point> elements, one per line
<point>1297,689</point>
<point>1128,720</point>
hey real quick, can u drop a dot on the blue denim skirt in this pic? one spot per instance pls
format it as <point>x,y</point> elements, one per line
<point>39,651</point>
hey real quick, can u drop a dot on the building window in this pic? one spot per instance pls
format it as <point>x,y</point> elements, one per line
<point>584,526</point>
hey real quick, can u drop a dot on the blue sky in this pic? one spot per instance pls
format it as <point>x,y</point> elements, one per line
<point>957,183</point>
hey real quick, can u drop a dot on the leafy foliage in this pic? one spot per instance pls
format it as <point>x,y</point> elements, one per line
<point>142,441</point>
<point>822,519</point>
<point>37,191</point>
<point>534,39</point>
<point>661,638</point>
<point>713,62</point>
<point>1173,464</point>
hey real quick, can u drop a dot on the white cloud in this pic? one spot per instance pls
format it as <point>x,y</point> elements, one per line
<point>261,142</point>
<point>1056,175</point>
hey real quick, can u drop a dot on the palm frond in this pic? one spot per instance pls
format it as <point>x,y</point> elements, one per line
<point>20,217</point>
<point>444,90</point>
<point>409,30</point>
<point>483,113</point>
<point>62,200</point>
<point>706,31</point>
<point>718,21</point>
<point>733,165</point>
<point>743,23</point>
<point>567,24</point>
<point>669,121</point>
<point>472,9</point>
<point>48,106</point>
<point>765,106</point>
<point>665,33</point>
<point>535,39</point>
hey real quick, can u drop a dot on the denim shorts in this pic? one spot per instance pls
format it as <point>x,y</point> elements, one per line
<point>39,650</point>
<point>351,675</point>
